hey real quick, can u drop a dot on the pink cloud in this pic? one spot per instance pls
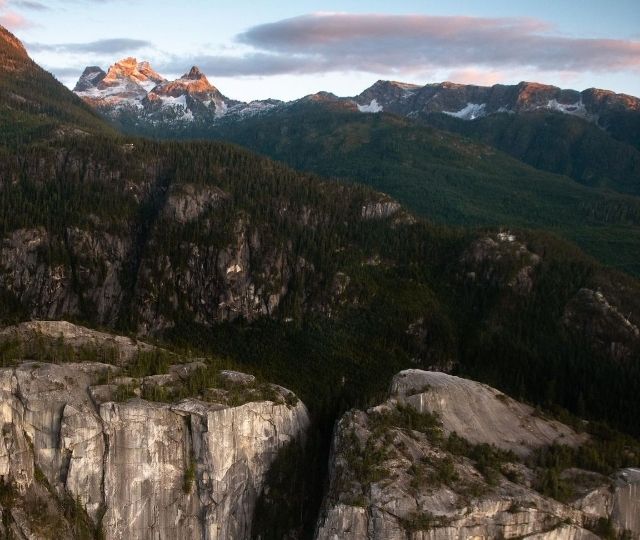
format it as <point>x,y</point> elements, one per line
<point>477,77</point>
<point>379,43</point>
<point>10,19</point>
<point>477,49</point>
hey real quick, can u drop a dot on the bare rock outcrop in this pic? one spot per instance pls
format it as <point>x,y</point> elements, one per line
<point>42,285</point>
<point>380,209</point>
<point>479,413</point>
<point>608,329</point>
<point>43,339</point>
<point>187,202</point>
<point>448,458</point>
<point>501,260</point>
<point>137,469</point>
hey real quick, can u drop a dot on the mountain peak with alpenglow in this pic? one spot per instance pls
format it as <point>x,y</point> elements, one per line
<point>130,69</point>
<point>194,73</point>
<point>133,87</point>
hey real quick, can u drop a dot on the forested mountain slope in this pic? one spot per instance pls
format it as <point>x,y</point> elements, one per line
<point>556,143</point>
<point>587,137</point>
<point>173,239</point>
<point>33,102</point>
<point>443,177</point>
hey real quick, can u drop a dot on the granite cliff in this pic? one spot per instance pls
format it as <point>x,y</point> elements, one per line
<point>446,457</point>
<point>82,452</point>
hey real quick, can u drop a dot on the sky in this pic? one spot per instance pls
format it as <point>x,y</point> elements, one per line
<point>288,49</point>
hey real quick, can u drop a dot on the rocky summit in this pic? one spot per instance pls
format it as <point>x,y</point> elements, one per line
<point>134,88</point>
<point>469,102</point>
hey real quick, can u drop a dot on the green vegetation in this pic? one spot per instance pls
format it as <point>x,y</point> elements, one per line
<point>189,477</point>
<point>34,104</point>
<point>154,362</point>
<point>487,459</point>
<point>365,461</point>
<point>454,180</point>
<point>558,143</point>
<point>603,456</point>
<point>205,382</point>
<point>332,362</point>
<point>603,528</point>
<point>606,452</point>
<point>408,418</point>
<point>124,392</point>
<point>423,521</point>
<point>40,348</point>
<point>444,472</point>
<point>54,513</point>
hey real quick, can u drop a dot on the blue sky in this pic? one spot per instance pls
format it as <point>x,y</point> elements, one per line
<point>286,49</point>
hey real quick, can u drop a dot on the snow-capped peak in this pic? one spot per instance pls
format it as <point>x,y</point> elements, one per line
<point>192,83</point>
<point>130,69</point>
<point>90,78</point>
<point>125,84</point>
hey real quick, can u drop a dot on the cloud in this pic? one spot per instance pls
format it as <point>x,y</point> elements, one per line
<point>478,76</point>
<point>413,44</point>
<point>30,4</point>
<point>64,72</point>
<point>102,46</point>
<point>13,21</point>
<point>10,19</point>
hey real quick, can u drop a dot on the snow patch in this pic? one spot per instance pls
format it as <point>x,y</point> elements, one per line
<point>148,85</point>
<point>576,109</point>
<point>178,104</point>
<point>506,237</point>
<point>470,112</point>
<point>221,108</point>
<point>373,107</point>
<point>91,76</point>
<point>253,108</point>
<point>170,101</point>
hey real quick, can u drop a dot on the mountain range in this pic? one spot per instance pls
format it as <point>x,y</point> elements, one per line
<point>130,85</point>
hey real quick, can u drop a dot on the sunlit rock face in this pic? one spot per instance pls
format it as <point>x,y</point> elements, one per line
<point>126,83</point>
<point>135,91</point>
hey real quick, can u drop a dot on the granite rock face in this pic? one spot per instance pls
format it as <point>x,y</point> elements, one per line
<point>62,337</point>
<point>611,330</point>
<point>396,471</point>
<point>501,260</point>
<point>140,469</point>
<point>193,253</point>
